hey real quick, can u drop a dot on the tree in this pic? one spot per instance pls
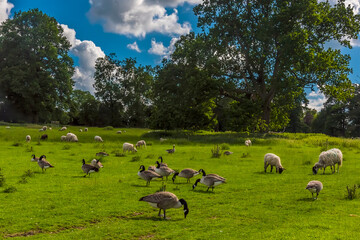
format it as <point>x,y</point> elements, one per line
<point>35,68</point>
<point>84,108</point>
<point>269,51</point>
<point>124,90</point>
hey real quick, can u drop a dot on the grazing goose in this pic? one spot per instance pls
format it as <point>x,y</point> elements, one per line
<point>186,173</point>
<point>228,153</point>
<point>87,168</point>
<point>33,158</point>
<point>147,175</point>
<point>163,170</point>
<point>314,187</point>
<point>103,154</point>
<point>171,150</point>
<point>43,163</point>
<point>165,200</point>
<point>96,163</point>
<point>210,180</point>
<point>162,163</point>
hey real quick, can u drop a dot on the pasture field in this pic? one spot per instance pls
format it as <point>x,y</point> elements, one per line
<point>62,204</point>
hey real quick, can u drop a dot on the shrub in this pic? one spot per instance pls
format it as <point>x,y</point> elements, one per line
<point>225,146</point>
<point>216,152</point>
<point>351,192</point>
<point>28,173</point>
<point>109,128</point>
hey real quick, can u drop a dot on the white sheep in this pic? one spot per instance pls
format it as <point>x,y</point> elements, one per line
<point>28,138</point>
<point>86,129</point>
<point>98,139</point>
<point>273,160</point>
<point>70,137</point>
<point>129,147</point>
<point>44,128</point>
<point>119,132</point>
<point>80,130</point>
<point>248,142</point>
<point>329,158</point>
<point>63,138</point>
<point>141,143</point>
<point>63,129</point>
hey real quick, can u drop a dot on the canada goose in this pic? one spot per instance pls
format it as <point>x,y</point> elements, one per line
<point>104,154</point>
<point>165,200</point>
<point>186,173</point>
<point>147,175</point>
<point>162,163</point>
<point>34,159</point>
<point>163,170</point>
<point>171,150</point>
<point>228,153</point>
<point>314,187</point>
<point>87,168</point>
<point>210,180</point>
<point>96,163</point>
<point>43,163</point>
<point>151,168</point>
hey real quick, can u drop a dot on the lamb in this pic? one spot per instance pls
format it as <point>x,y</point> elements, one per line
<point>63,129</point>
<point>248,142</point>
<point>80,130</point>
<point>28,138</point>
<point>44,128</point>
<point>141,143</point>
<point>129,147</point>
<point>70,137</point>
<point>98,139</point>
<point>118,132</point>
<point>328,158</point>
<point>86,129</point>
<point>63,138</point>
<point>273,160</point>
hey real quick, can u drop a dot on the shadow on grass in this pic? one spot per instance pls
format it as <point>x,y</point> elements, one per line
<point>155,218</point>
<point>306,199</point>
<point>138,185</point>
<point>203,191</point>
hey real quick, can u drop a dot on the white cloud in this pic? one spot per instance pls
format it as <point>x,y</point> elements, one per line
<point>316,100</point>
<point>134,46</point>
<point>139,17</point>
<point>158,48</point>
<point>87,52</point>
<point>354,3</point>
<point>5,8</point>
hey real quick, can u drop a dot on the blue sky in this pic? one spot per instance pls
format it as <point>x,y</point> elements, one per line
<point>142,29</point>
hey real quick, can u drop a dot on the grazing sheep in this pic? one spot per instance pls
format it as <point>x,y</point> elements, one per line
<point>248,142</point>
<point>273,160</point>
<point>44,128</point>
<point>96,163</point>
<point>314,187</point>
<point>129,147</point>
<point>328,158</point>
<point>118,132</point>
<point>7,127</point>
<point>63,129</point>
<point>86,129</point>
<point>163,139</point>
<point>70,137</point>
<point>28,138</point>
<point>228,153</point>
<point>141,143</point>
<point>98,139</point>
<point>80,130</point>
<point>63,138</point>
<point>44,137</point>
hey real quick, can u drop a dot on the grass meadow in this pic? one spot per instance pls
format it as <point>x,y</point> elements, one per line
<point>62,204</point>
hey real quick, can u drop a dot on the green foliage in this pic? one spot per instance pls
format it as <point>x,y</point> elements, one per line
<point>10,189</point>
<point>135,159</point>
<point>216,152</point>
<point>35,70</point>
<point>351,192</point>
<point>225,146</point>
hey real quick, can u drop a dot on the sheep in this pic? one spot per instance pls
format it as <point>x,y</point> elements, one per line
<point>98,139</point>
<point>328,158</point>
<point>248,142</point>
<point>44,137</point>
<point>80,130</point>
<point>70,137</point>
<point>141,143</point>
<point>63,138</point>
<point>44,128</point>
<point>62,129</point>
<point>28,138</point>
<point>273,160</point>
<point>118,132</point>
<point>129,147</point>
<point>86,129</point>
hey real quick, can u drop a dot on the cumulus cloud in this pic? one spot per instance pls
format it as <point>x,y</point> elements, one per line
<point>316,100</point>
<point>87,52</point>
<point>5,8</point>
<point>139,17</point>
<point>134,46</point>
<point>158,48</point>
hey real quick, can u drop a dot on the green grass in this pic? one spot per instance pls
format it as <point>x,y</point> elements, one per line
<point>62,204</point>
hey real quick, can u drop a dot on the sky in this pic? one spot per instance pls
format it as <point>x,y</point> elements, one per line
<point>142,29</point>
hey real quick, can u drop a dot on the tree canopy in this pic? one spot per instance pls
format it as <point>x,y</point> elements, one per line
<point>36,70</point>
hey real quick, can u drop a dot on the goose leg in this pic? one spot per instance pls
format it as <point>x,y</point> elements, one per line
<point>159,212</point>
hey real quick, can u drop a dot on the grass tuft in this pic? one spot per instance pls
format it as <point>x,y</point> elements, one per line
<point>216,152</point>
<point>135,159</point>
<point>2,179</point>
<point>10,189</point>
<point>66,147</point>
<point>351,192</point>
<point>17,144</point>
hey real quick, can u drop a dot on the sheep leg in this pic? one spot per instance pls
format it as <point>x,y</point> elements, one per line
<point>324,170</point>
<point>265,166</point>
<point>208,189</point>
<point>271,168</point>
